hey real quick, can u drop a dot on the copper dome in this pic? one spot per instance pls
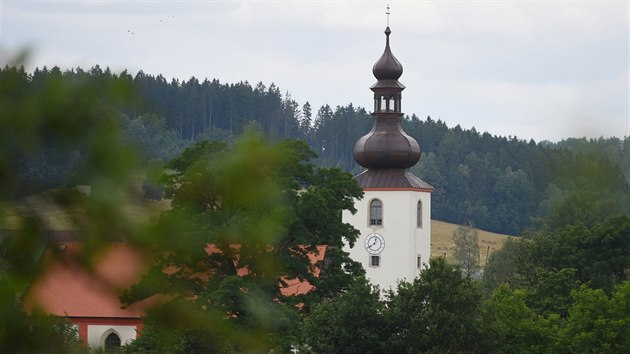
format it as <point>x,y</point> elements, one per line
<point>387,67</point>
<point>386,146</point>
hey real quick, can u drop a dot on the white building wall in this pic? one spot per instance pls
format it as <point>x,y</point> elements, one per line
<point>404,241</point>
<point>96,334</point>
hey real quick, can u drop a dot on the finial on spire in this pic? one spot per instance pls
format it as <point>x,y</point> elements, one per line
<point>387,13</point>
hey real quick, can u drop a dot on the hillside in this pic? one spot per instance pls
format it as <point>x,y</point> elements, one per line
<point>498,183</point>
<point>56,218</point>
<point>442,241</point>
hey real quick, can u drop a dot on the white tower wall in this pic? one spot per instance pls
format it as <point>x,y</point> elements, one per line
<point>404,240</point>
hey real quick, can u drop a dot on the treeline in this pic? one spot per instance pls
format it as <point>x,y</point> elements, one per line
<point>505,184</point>
<point>501,184</point>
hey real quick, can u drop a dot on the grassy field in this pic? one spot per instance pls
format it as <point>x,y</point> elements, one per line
<point>55,217</point>
<point>442,241</point>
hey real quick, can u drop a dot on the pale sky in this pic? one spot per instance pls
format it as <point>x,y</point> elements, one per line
<point>531,69</point>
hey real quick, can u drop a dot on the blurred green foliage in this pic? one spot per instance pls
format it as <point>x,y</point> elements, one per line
<point>70,122</point>
<point>264,207</point>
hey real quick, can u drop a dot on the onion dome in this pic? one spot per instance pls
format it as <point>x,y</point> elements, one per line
<point>386,146</point>
<point>387,67</point>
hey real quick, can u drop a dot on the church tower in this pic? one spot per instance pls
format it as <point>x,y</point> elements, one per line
<point>394,216</point>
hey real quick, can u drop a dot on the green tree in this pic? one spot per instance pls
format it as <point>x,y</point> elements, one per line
<point>514,198</point>
<point>466,251</point>
<point>598,324</point>
<point>551,291</point>
<point>503,266</point>
<point>39,112</point>
<point>600,254</point>
<point>580,207</point>
<point>305,118</point>
<point>620,317</point>
<point>436,313</point>
<point>149,133</point>
<point>350,323</point>
<point>262,209</point>
<point>510,326</point>
<point>151,186</point>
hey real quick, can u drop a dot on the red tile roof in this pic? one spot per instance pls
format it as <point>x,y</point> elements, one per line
<point>67,289</point>
<point>297,287</point>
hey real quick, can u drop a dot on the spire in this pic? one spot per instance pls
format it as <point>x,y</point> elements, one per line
<point>387,146</point>
<point>387,67</point>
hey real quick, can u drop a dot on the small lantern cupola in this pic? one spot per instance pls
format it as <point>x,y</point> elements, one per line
<point>387,90</point>
<point>387,146</point>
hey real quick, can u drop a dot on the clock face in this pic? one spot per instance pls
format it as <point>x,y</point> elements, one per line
<point>374,243</point>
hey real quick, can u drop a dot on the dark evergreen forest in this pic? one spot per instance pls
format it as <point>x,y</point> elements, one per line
<point>500,184</point>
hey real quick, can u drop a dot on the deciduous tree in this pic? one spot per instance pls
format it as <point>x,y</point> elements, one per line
<point>350,323</point>
<point>436,313</point>
<point>510,326</point>
<point>244,220</point>
<point>466,252</point>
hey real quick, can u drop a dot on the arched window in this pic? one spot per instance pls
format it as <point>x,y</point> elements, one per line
<point>419,213</point>
<point>112,343</point>
<point>376,212</point>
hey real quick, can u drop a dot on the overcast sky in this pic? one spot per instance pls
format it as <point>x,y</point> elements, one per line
<point>531,69</point>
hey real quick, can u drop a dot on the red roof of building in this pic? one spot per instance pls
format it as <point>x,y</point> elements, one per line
<point>297,287</point>
<point>67,289</point>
